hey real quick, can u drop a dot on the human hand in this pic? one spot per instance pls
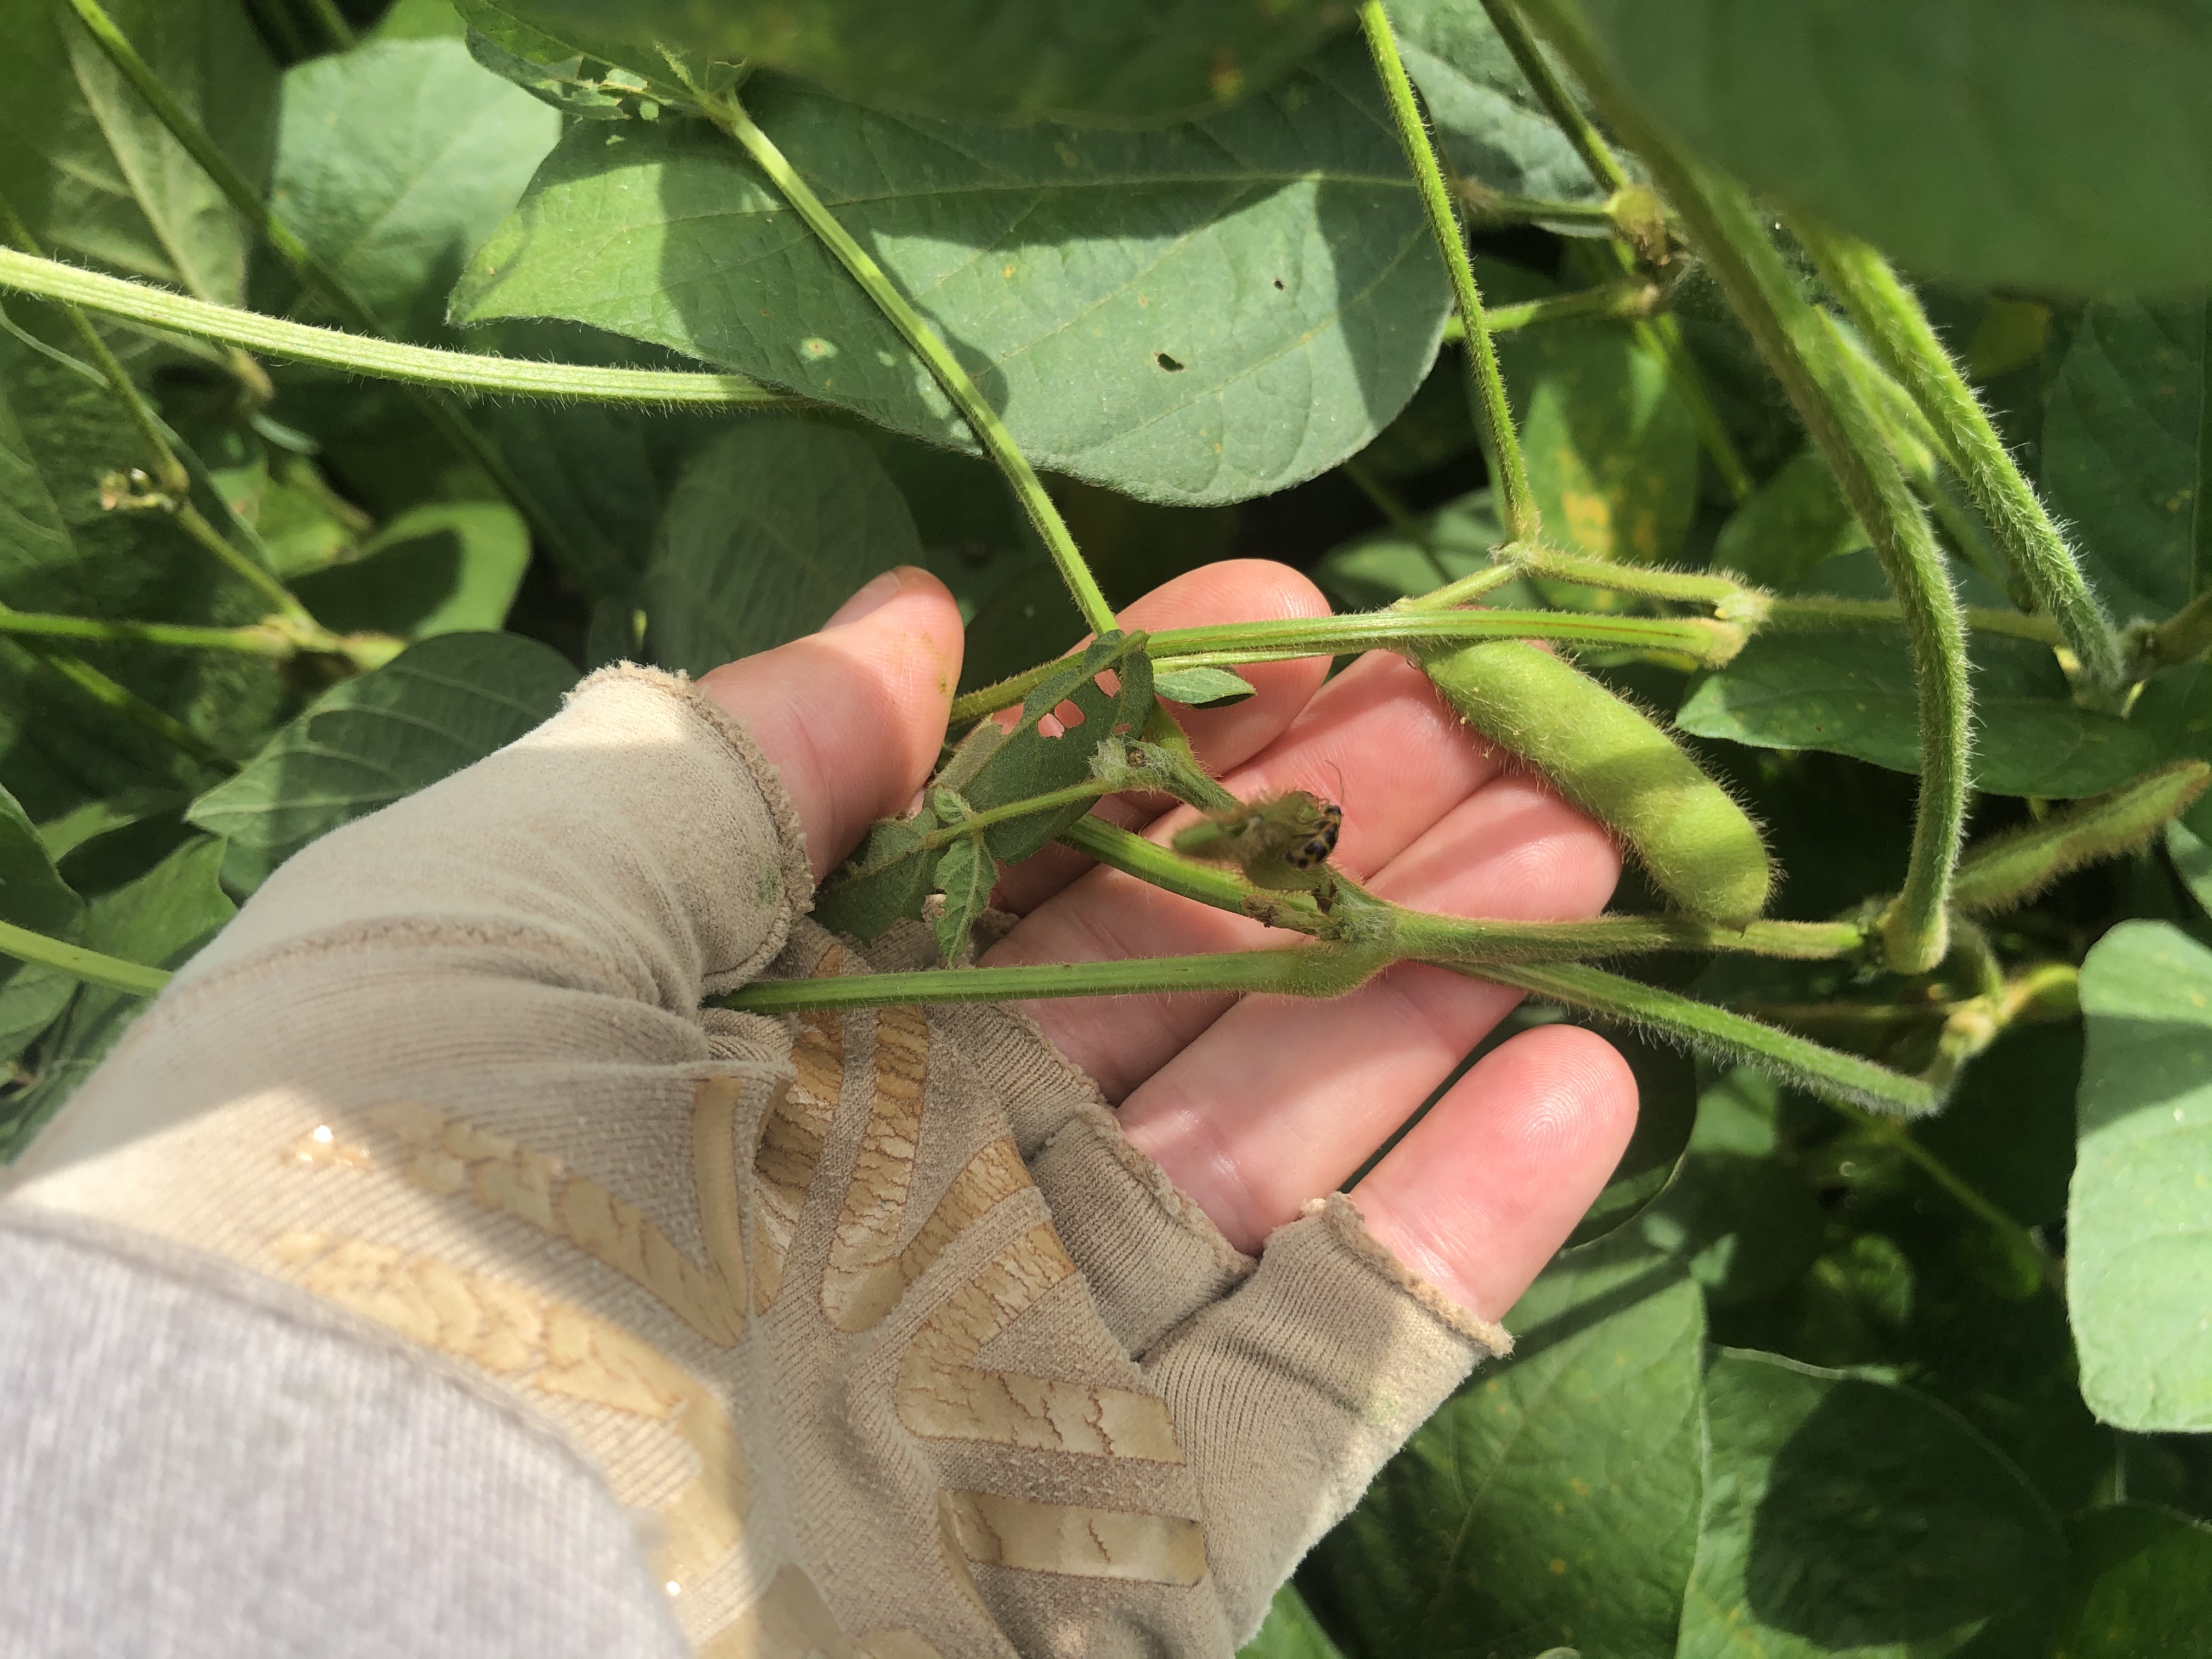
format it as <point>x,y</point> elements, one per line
<point>1254,1105</point>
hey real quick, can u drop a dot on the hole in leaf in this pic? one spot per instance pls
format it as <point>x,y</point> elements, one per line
<point>1109,682</point>
<point>1167,362</point>
<point>1279,282</point>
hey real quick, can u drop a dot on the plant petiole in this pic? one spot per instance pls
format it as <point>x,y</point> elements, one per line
<point>1631,297</point>
<point>90,966</point>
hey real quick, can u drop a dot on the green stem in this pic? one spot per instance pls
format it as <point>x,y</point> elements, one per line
<point>1732,600</point>
<point>596,574</point>
<point>982,420</point>
<point>1493,411</point>
<point>1633,297</point>
<point>1791,337</point>
<point>1722,1035</point>
<point>119,699</point>
<point>1802,613</point>
<point>1227,644</point>
<point>1171,873</point>
<point>1310,971</point>
<point>1492,206</point>
<point>1661,337</point>
<point>1892,320</point>
<point>255,641</point>
<point>1558,102</point>
<point>334,24</point>
<point>466,373</point>
<point>1469,588</point>
<point>78,962</point>
<point>2187,633</point>
<point>1089,789</point>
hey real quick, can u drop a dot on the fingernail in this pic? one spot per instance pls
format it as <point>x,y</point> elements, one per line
<point>877,593</point>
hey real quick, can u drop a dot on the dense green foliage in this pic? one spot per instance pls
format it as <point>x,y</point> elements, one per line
<point>1889,1359</point>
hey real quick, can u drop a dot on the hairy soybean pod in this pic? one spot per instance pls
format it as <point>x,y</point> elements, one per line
<point>1612,760</point>
<point>2012,868</point>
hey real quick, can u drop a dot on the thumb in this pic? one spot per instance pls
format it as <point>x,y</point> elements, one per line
<point>854,716</point>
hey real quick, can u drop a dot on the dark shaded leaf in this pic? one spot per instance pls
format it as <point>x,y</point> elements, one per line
<point>1552,1500</point>
<point>2038,142</point>
<point>773,525</point>
<point>1843,1513</point>
<point>965,875</point>
<point>2142,1585</point>
<point>364,743</point>
<point>33,895</point>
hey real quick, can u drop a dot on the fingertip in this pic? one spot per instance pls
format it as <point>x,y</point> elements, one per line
<point>1485,1190</point>
<point>853,717</point>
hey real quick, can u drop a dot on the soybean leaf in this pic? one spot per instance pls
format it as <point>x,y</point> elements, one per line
<point>2124,453</point>
<point>2192,862</point>
<point>2067,133</point>
<point>2139,1260</point>
<point>887,878</point>
<point>395,161</point>
<point>965,875</point>
<point>1851,691</point>
<point>1289,1632</point>
<point>571,71</point>
<point>1612,450</point>
<point>1797,519</point>
<point>1035,761</point>
<point>1454,541</point>
<point>1198,315</point>
<point>2008,1130</point>
<point>418,20</point>
<point>1552,1500</point>
<point>33,895</point>
<point>431,710</point>
<point>63,551</point>
<point>1117,61</point>
<point>160,920</point>
<point>1201,688</point>
<point>1492,129</point>
<point>1841,1513</point>
<point>441,568</point>
<point>91,170</point>
<point>773,525</point>
<point>2142,1585</point>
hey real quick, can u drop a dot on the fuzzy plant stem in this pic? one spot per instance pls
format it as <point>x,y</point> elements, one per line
<point>1716,1032</point>
<point>982,420</point>
<point>78,962</point>
<point>597,574</point>
<point>466,373</point>
<point>1631,298</point>
<point>120,700</point>
<point>1660,336</point>
<point>1791,337</point>
<point>1493,412</point>
<point>1892,320</point>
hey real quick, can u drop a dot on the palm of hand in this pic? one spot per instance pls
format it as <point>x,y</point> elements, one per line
<point>1254,1105</point>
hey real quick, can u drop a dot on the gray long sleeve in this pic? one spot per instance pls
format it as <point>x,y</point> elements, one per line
<point>196,1462</point>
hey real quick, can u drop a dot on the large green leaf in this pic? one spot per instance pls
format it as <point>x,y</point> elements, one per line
<point>1743,1221</point>
<point>1797,519</point>
<point>1493,129</point>
<point>776,524</point>
<point>431,710</point>
<point>1116,61</point>
<point>396,160</point>
<point>2046,142</point>
<point>160,920</point>
<point>33,895</point>
<point>1851,691</point>
<point>2139,1254</point>
<point>1844,1515</point>
<point>1612,450</point>
<point>2125,453</point>
<point>1555,1499</point>
<point>95,175</point>
<point>1199,314</point>
<point>2142,1585</point>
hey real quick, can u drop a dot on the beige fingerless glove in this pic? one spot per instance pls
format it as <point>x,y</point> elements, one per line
<point>900,1345</point>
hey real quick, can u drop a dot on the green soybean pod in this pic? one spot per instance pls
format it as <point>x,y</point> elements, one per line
<point>1700,848</point>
